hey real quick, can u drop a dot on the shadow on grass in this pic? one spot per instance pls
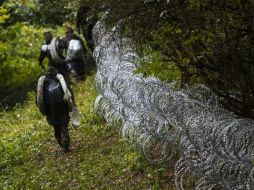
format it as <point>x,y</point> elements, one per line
<point>9,98</point>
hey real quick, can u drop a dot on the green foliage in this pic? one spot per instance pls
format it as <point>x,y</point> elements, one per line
<point>18,66</point>
<point>43,12</point>
<point>31,159</point>
<point>20,43</point>
<point>154,65</point>
<point>55,12</point>
<point>20,10</point>
<point>3,15</point>
<point>210,41</point>
<point>19,70</point>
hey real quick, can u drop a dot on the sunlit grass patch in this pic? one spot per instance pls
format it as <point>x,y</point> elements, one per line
<point>99,159</point>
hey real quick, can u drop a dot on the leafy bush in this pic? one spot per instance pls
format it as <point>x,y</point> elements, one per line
<point>19,69</point>
<point>154,65</point>
<point>3,15</point>
<point>43,12</point>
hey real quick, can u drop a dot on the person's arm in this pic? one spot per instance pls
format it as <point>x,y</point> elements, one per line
<point>41,58</point>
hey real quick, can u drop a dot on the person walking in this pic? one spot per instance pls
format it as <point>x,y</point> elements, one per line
<point>52,50</point>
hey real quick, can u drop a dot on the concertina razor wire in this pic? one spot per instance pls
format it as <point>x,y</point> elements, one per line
<point>214,145</point>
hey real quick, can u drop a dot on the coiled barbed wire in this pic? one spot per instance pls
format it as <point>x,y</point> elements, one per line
<point>214,144</point>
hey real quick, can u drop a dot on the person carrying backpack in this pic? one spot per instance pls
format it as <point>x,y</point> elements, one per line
<point>52,50</point>
<point>75,52</point>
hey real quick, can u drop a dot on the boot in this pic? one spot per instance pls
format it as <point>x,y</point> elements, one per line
<point>75,118</point>
<point>65,145</point>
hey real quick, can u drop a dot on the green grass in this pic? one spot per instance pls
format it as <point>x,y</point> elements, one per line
<point>99,159</point>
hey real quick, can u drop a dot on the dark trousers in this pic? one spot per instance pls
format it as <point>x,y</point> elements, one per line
<point>79,67</point>
<point>62,137</point>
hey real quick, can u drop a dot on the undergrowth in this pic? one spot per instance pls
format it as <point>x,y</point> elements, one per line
<point>31,159</point>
